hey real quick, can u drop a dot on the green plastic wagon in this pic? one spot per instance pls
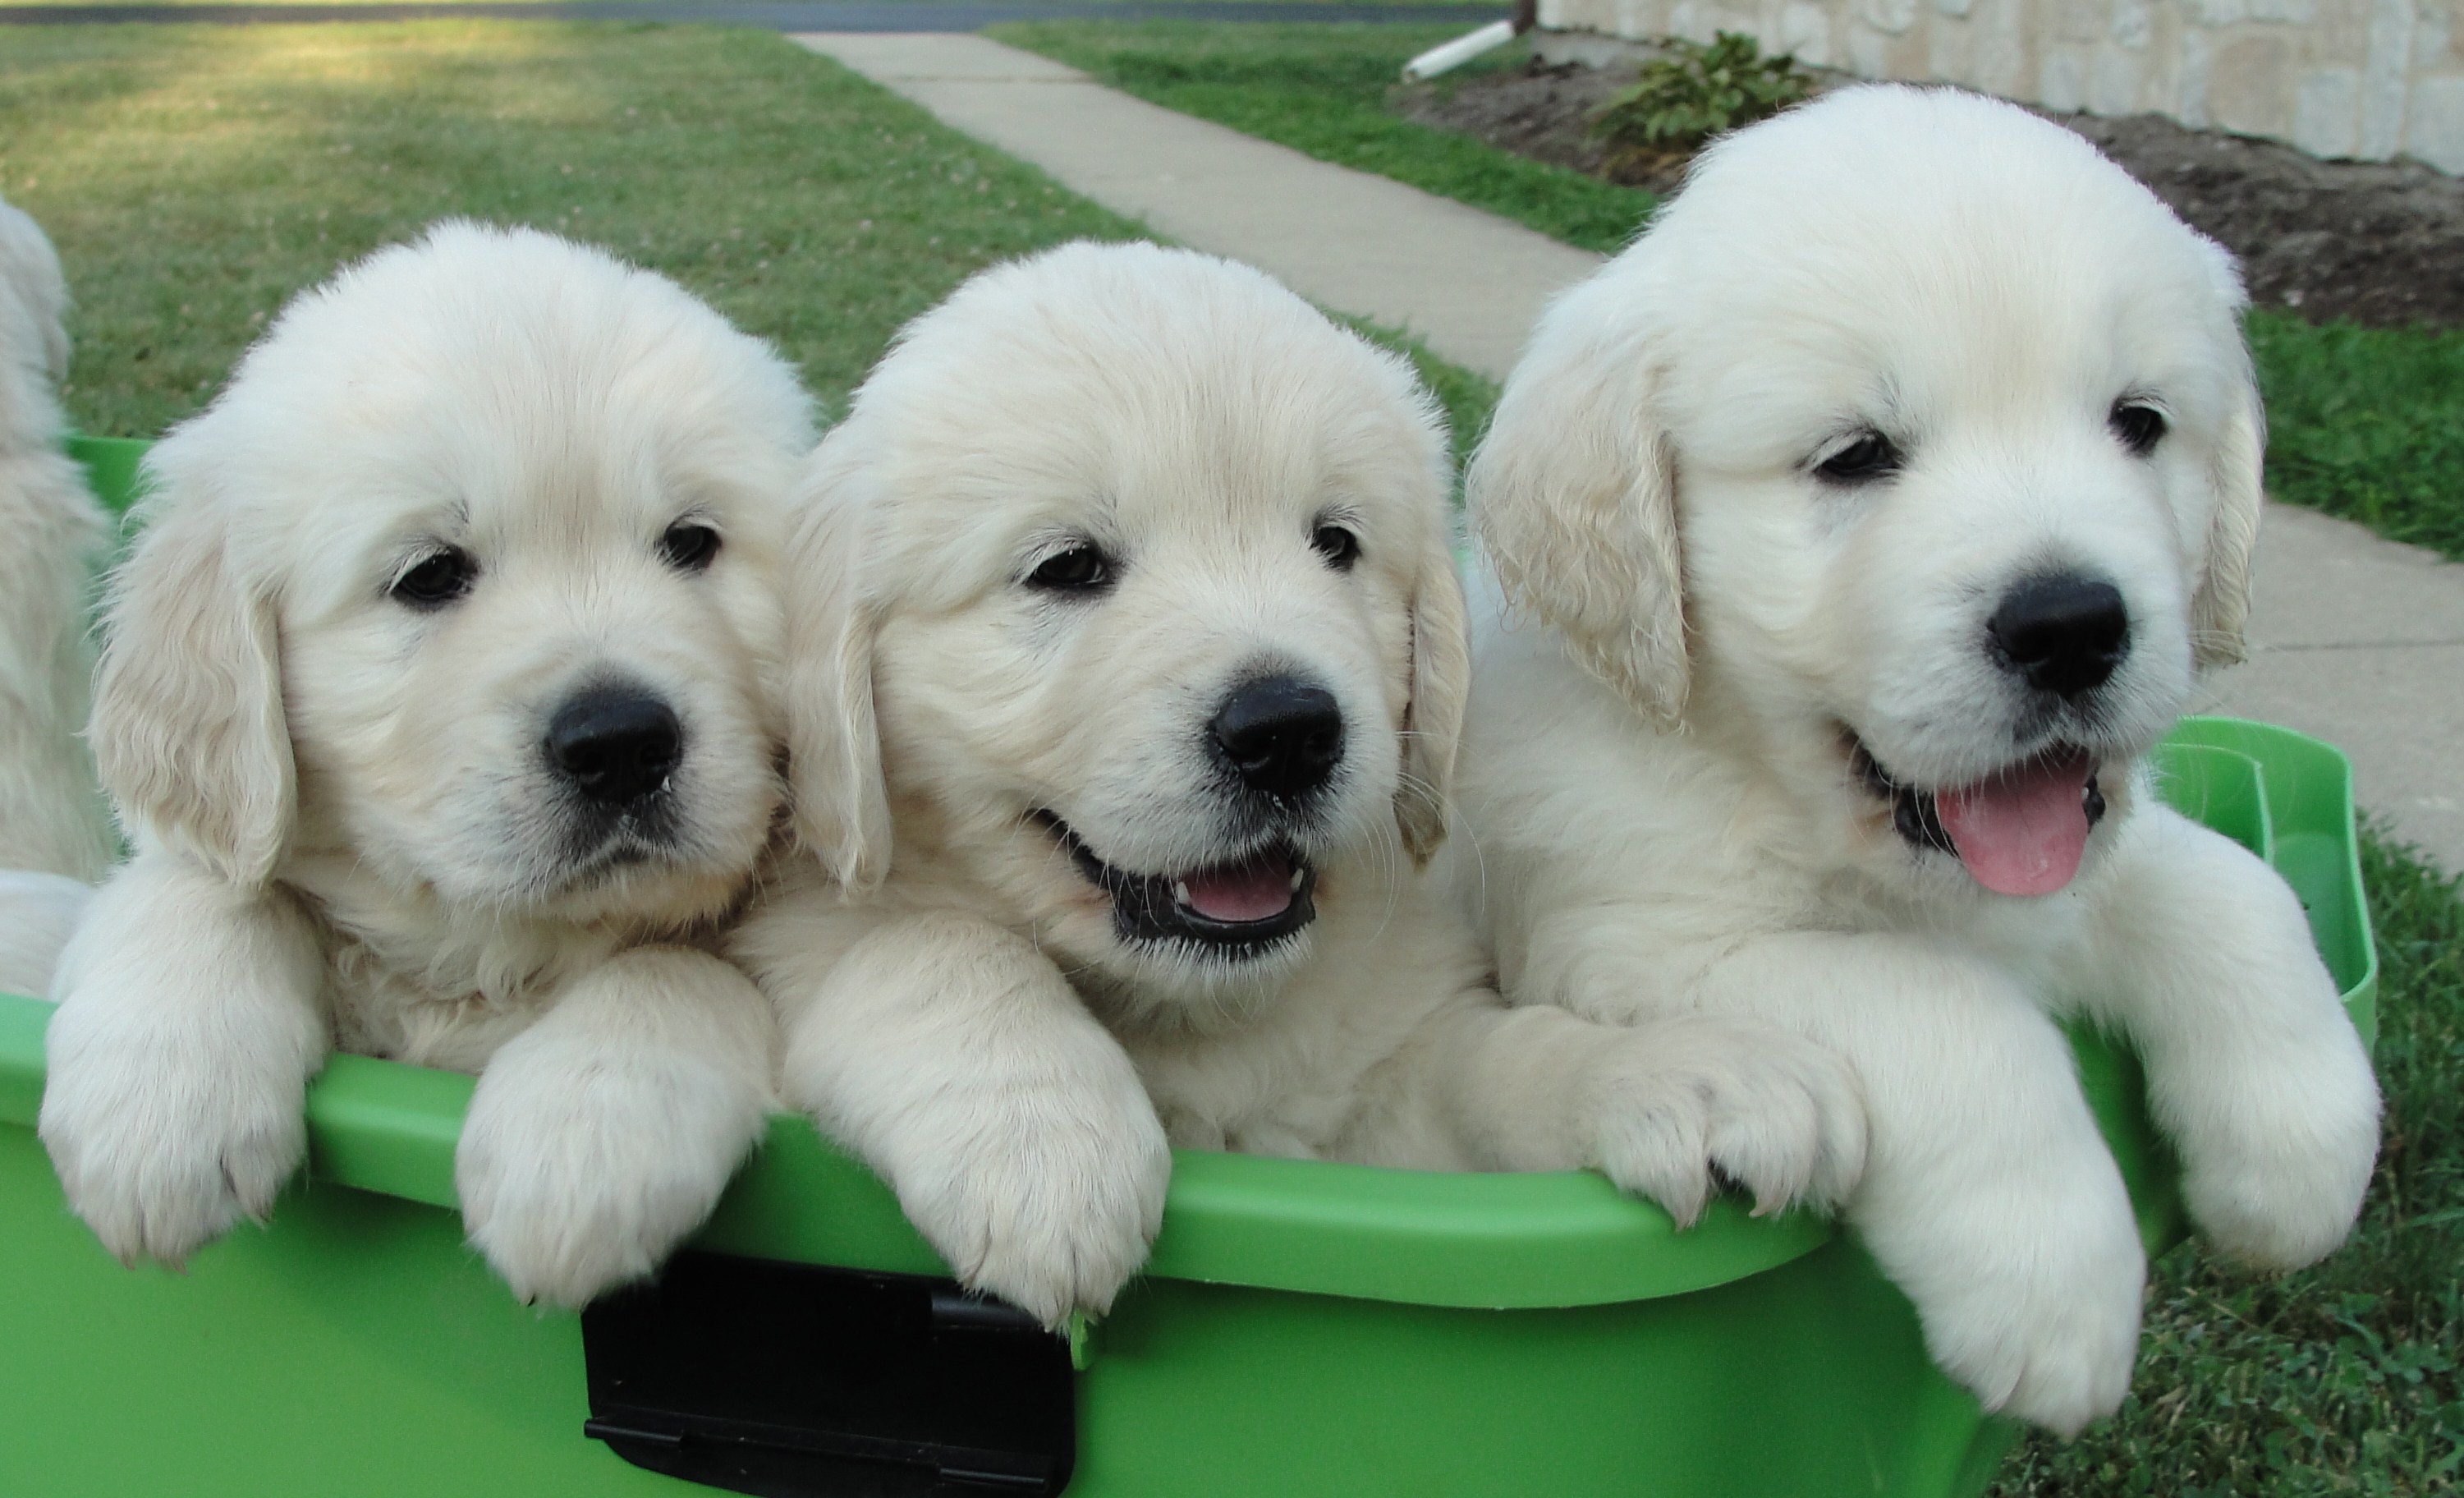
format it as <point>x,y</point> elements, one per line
<point>1302,1329</point>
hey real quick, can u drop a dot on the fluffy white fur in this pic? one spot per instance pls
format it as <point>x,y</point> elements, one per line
<point>962,1005</point>
<point>51,815</point>
<point>1659,774</point>
<point>349,830</point>
<point>37,913</point>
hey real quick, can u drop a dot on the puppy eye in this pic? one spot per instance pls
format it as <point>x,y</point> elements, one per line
<point>1869,457</point>
<point>1338,546</point>
<point>689,547</point>
<point>2140,427</point>
<point>1081,569</point>
<point>439,579</point>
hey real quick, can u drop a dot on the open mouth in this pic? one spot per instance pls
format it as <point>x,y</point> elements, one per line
<point>1239,908</point>
<point>2020,830</point>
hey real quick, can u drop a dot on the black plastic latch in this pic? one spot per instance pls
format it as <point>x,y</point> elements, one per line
<point>788,1380</point>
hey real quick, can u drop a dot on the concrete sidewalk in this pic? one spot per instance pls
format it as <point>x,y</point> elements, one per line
<point>1468,283</point>
<point>2360,640</point>
<point>2355,639</point>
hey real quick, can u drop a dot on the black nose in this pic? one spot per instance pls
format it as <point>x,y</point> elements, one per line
<point>1280,736</point>
<point>617,747</point>
<point>2064,633</point>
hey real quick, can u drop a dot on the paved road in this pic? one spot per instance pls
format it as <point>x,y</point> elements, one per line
<point>784,15</point>
<point>2355,640</point>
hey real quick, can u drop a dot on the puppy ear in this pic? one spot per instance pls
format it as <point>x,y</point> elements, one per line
<point>1441,683</point>
<point>833,743</point>
<point>1573,497</point>
<point>188,729</point>
<point>35,329</point>
<point>2220,605</point>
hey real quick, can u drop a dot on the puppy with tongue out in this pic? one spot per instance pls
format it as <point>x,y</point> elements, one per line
<point>1855,536</point>
<point>1127,669</point>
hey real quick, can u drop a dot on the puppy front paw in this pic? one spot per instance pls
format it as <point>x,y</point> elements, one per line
<point>2254,1067</point>
<point>2053,1347</point>
<point>1676,1103</point>
<point>1054,1211</point>
<point>2277,1121</point>
<point>161,1149</point>
<point>576,1179</point>
<point>2282,1189</point>
<point>2029,1291</point>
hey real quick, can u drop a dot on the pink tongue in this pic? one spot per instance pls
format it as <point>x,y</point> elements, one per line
<point>2022,832</point>
<point>1254,891</point>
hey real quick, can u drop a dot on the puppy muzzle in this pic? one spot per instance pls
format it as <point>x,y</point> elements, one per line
<point>615,753</point>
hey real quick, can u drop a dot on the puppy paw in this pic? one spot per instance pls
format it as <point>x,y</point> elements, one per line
<point>1054,1211</point>
<point>1677,1104</point>
<point>2029,1292</point>
<point>2282,1190</point>
<point>161,1149</point>
<point>578,1179</point>
<point>2053,1344</point>
<point>2254,1067</point>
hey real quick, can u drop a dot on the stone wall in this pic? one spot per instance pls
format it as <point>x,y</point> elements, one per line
<point>2356,79</point>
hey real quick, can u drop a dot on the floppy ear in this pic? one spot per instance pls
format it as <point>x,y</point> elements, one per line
<point>2220,605</point>
<point>1441,682</point>
<point>30,268</point>
<point>188,729</point>
<point>1573,494</point>
<point>833,743</point>
<point>36,332</point>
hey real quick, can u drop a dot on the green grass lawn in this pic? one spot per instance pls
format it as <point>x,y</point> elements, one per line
<point>2368,424</point>
<point>2365,423</point>
<point>1322,89</point>
<point>195,177</point>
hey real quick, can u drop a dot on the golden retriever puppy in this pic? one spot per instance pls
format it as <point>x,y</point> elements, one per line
<point>1877,510</point>
<point>440,694</point>
<point>1127,659</point>
<point>51,814</point>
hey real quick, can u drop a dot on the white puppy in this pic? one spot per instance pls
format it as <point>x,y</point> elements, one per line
<point>1880,503</point>
<point>1127,667</point>
<point>51,815</point>
<point>440,696</point>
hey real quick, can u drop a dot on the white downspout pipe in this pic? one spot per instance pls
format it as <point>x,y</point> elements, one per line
<point>1449,55</point>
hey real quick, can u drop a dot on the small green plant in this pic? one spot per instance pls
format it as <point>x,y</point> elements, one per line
<point>1692,93</point>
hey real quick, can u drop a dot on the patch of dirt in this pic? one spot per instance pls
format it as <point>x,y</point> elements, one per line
<point>2379,243</point>
<point>1542,110</point>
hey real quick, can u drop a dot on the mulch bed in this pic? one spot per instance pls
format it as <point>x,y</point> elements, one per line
<point>2379,243</point>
